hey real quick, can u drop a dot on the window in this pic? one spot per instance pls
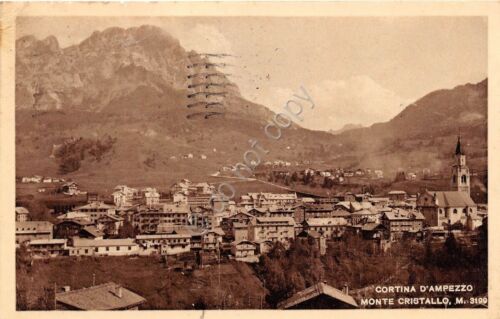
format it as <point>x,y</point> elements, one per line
<point>455,211</point>
<point>464,179</point>
<point>117,247</point>
<point>86,251</point>
<point>129,248</point>
<point>107,248</point>
<point>96,249</point>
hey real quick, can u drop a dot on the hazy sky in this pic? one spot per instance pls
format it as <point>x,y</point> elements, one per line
<point>357,69</point>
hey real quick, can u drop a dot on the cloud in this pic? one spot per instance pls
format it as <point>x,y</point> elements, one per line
<point>205,38</point>
<point>356,100</point>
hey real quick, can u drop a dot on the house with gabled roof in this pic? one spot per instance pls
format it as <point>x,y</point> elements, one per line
<point>29,230</point>
<point>92,232</point>
<point>22,214</point>
<point>318,239</point>
<point>373,231</point>
<point>446,207</point>
<point>68,228</point>
<point>320,296</point>
<point>244,250</point>
<point>96,209</point>
<point>275,229</point>
<point>48,247</point>
<point>330,228</point>
<point>108,296</point>
<point>110,224</point>
<point>400,221</point>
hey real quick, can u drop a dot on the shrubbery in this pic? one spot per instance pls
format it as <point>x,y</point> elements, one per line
<point>73,152</point>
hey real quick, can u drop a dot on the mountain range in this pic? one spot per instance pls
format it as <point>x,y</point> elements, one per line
<point>114,109</point>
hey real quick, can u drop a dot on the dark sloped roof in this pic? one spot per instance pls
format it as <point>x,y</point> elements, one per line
<point>314,291</point>
<point>312,233</point>
<point>218,231</point>
<point>81,222</point>
<point>319,207</point>
<point>93,231</point>
<point>371,226</point>
<point>113,217</point>
<point>453,199</point>
<point>364,212</point>
<point>101,297</point>
<point>340,213</point>
<point>21,210</point>
<point>243,241</point>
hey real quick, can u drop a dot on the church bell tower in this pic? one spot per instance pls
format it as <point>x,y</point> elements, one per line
<point>460,176</point>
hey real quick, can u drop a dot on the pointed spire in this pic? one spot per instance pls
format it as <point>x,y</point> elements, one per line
<point>458,149</point>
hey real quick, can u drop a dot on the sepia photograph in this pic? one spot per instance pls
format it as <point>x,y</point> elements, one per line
<point>216,162</point>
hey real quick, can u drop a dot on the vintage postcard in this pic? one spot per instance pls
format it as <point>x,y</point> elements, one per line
<point>276,157</point>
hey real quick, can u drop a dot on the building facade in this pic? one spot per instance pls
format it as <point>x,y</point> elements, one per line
<point>275,229</point>
<point>30,230</point>
<point>446,208</point>
<point>103,247</point>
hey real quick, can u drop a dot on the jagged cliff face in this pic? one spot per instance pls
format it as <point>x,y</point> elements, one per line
<point>105,66</point>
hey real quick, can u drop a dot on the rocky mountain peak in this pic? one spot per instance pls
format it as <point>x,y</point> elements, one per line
<point>105,67</point>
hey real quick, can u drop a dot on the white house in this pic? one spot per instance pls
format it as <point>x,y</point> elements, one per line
<point>103,247</point>
<point>124,196</point>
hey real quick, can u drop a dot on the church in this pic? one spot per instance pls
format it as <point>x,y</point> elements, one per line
<point>444,208</point>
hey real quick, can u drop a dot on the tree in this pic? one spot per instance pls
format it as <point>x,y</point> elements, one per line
<point>412,276</point>
<point>428,254</point>
<point>483,244</point>
<point>23,257</point>
<point>400,176</point>
<point>127,230</point>
<point>296,281</point>
<point>327,182</point>
<point>452,253</point>
<point>287,180</point>
<point>46,301</point>
<point>69,164</point>
<point>21,299</point>
<point>450,245</point>
<point>306,179</point>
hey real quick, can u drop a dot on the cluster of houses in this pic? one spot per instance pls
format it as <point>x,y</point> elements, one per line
<point>60,184</point>
<point>341,174</point>
<point>188,156</point>
<point>37,179</point>
<point>334,176</point>
<point>193,220</point>
<point>244,230</point>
